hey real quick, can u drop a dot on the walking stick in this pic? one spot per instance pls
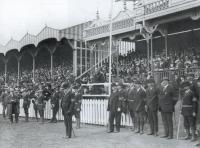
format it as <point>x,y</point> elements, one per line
<point>179,118</point>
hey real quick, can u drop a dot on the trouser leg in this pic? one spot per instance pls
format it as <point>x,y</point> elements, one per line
<point>118,121</point>
<point>138,122</point>
<point>170,124</point>
<point>78,119</point>
<point>111,121</point>
<point>164,119</point>
<point>141,116</point>
<point>16,117</point>
<point>69,125</point>
<point>26,113</point>
<point>133,118</point>
<point>4,111</point>
<point>151,123</point>
<point>192,126</point>
<point>41,112</point>
<point>155,122</point>
<point>11,118</point>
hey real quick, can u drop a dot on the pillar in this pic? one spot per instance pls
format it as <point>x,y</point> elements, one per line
<point>166,45</point>
<point>75,59</point>
<point>152,66</point>
<point>6,66</point>
<point>51,65</point>
<point>18,71</point>
<point>33,68</point>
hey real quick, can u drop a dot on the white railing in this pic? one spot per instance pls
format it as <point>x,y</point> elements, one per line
<point>93,111</point>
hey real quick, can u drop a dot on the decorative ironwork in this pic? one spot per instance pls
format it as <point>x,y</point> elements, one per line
<point>156,6</point>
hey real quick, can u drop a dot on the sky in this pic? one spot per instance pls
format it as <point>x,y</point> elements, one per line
<point>17,17</point>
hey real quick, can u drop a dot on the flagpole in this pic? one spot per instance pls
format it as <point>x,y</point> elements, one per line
<point>110,47</point>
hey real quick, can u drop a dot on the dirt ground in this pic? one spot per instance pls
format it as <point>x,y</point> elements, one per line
<point>51,135</point>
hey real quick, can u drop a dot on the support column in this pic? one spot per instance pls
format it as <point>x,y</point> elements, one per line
<point>166,45</point>
<point>18,71</point>
<point>34,69</point>
<point>6,67</point>
<point>86,50</point>
<point>81,58</point>
<point>51,65</point>
<point>152,66</point>
<point>75,59</point>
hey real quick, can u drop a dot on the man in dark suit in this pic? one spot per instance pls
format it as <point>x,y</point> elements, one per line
<point>167,102</point>
<point>152,106</point>
<point>67,105</point>
<point>140,107</point>
<point>113,105</point>
<point>189,110</point>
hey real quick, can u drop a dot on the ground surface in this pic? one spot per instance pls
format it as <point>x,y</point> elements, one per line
<point>35,135</point>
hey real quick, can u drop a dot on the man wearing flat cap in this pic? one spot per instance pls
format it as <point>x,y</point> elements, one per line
<point>152,106</point>
<point>167,103</point>
<point>189,110</point>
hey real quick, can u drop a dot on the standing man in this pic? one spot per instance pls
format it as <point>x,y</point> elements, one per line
<point>131,98</point>
<point>13,105</point>
<point>152,106</point>
<point>55,104</point>
<point>26,103</point>
<point>34,96</point>
<point>140,107</point>
<point>41,105</point>
<point>67,105</point>
<point>166,104</point>
<point>4,102</point>
<point>78,101</point>
<point>189,110</point>
<point>114,109</point>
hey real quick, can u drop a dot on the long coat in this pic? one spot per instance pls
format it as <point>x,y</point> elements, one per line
<point>152,98</point>
<point>67,103</point>
<point>140,100</point>
<point>114,103</point>
<point>167,100</point>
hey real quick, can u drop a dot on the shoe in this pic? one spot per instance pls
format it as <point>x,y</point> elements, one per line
<point>150,134</point>
<point>170,137</point>
<point>156,134</point>
<point>141,133</point>
<point>137,132</point>
<point>193,139</point>
<point>110,131</point>
<point>198,144</point>
<point>187,138</point>
<point>164,136</point>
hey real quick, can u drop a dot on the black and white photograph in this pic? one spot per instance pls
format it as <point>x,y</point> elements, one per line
<point>99,73</point>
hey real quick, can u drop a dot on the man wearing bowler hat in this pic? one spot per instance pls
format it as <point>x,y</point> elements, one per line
<point>167,102</point>
<point>152,106</point>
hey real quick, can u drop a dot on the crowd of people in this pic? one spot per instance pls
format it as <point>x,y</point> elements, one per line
<point>143,101</point>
